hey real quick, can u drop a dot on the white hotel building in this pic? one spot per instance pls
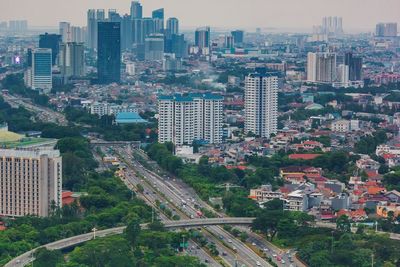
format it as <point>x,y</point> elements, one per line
<point>184,119</point>
<point>261,105</point>
<point>30,181</point>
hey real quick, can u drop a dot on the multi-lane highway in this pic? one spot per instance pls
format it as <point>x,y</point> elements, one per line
<point>234,252</point>
<point>44,114</point>
<point>257,243</point>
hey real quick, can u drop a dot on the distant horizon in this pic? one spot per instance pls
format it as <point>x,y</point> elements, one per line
<point>360,15</point>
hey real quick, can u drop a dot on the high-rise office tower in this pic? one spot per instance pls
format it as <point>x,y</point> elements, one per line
<point>77,34</point>
<point>126,32</point>
<point>184,119</point>
<point>229,41</point>
<point>202,38</point>
<point>355,66</point>
<point>175,44</point>
<point>238,37</point>
<point>261,104</point>
<point>51,41</point>
<point>158,17</point>
<point>136,10</point>
<point>91,28</point>
<point>93,17</point>
<point>179,46</point>
<point>109,52</point>
<point>65,31</point>
<point>172,26</point>
<point>113,16</point>
<point>154,47</point>
<point>386,30</point>
<point>30,182</point>
<point>321,67</point>
<point>142,28</point>
<point>39,77</point>
<point>71,60</point>
<point>100,15</point>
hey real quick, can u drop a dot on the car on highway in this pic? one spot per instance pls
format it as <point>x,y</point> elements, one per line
<point>229,240</point>
<point>258,263</point>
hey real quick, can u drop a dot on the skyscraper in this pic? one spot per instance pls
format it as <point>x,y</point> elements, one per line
<point>77,34</point>
<point>195,117</point>
<point>355,66</point>
<point>238,37</point>
<point>386,30</point>
<point>229,41</point>
<point>51,41</point>
<point>136,10</point>
<point>109,52</point>
<point>91,34</point>
<point>126,32</point>
<point>154,47</point>
<point>321,67</point>
<point>172,26</point>
<point>65,31</point>
<point>202,38</point>
<point>30,182</point>
<point>72,60</point>
<point>261,104</point>
<point>41,76</point>
<point>158,17</point>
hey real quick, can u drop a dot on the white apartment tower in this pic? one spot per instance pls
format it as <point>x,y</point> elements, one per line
<point>184,119</point>
<point>321,67</point>
<point>261,104</point>
<point>30,181</point>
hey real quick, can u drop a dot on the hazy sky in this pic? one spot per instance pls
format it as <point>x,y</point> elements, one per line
<point>357,14</point>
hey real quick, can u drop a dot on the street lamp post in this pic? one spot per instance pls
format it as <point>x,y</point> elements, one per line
<point>94,232</point>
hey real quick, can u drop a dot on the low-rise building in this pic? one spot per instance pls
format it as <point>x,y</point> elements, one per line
<point>264,194</point>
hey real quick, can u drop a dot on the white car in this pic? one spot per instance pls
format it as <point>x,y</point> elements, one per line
<point>229,240</point>
<point>274,255</point>
<point>254,244</point>
<point>258,263</point>
<point>283,261</point>
<point>266,249</point>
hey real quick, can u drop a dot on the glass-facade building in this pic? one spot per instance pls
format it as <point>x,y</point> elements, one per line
<point>51,41</point>
<point>109,52</point>
<point>41,76</point>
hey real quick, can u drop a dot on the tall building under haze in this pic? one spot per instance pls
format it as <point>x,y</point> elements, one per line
<point>261,104</point>
<point>109,52</point>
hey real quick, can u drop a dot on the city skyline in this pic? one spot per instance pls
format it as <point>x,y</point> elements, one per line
<point>295,15</point>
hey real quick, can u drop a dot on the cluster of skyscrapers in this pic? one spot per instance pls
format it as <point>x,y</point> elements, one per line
<point>149,38</point>
<point>386,29</point>
<point>330,27</point>
<point>322,67</point>
<point>67,55</point>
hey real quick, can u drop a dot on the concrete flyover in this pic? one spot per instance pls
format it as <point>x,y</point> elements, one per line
<point>206,222</point>
<point>114,143</point>
<point>28,257</point>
